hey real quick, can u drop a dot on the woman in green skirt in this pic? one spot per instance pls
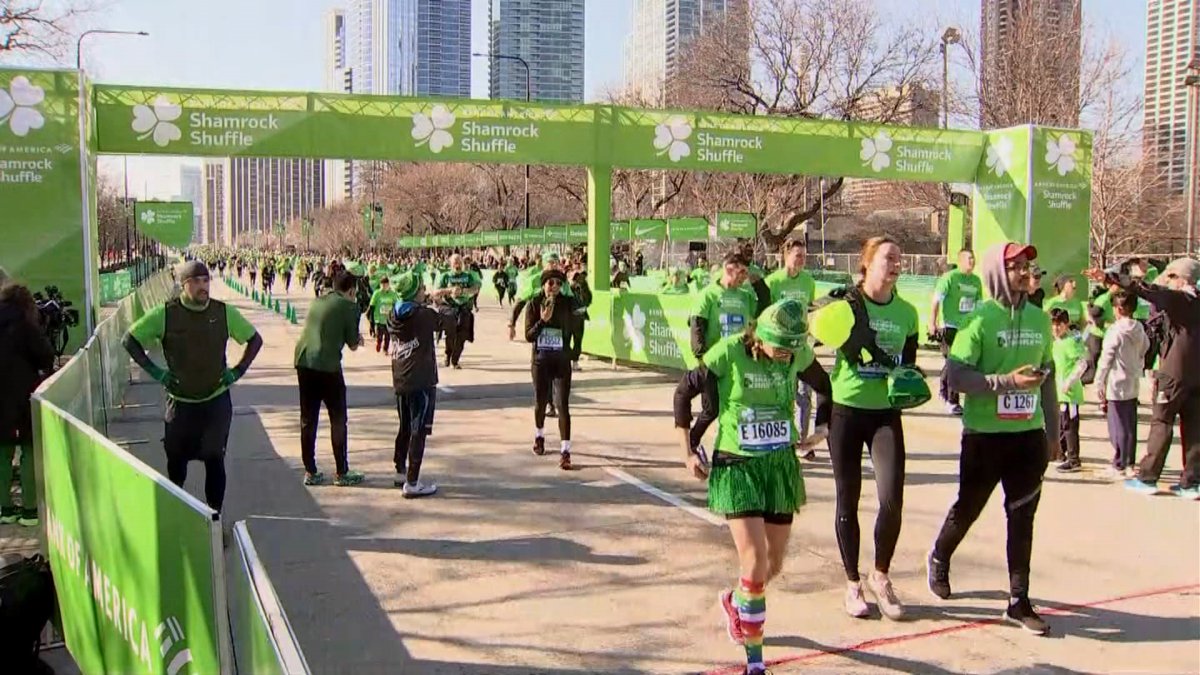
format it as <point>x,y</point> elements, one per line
<point>754,476</point>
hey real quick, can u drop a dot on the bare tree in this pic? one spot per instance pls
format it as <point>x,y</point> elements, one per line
<point>829,59</point>
<point>37,28</point>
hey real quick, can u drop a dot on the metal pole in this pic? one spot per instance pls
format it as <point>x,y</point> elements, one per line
<point>528,98</point>
<point>99,31</point>
<point>128,216</point>
<point>945,85</point>
<point>1193,115</point>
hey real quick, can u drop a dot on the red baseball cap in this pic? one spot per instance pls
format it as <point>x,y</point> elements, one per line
<point>1013,250</point>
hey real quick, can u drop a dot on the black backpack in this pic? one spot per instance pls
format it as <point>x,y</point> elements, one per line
<point>27,602</point>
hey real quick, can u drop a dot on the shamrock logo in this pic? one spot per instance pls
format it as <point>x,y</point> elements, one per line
<point>17,106</point>
<point>999,155</point>
<point>149,217</point>
<point>635,328</point>
<point>1060,154</point>
<point>875,151</point>
<point>157,121</point>
<point>669,138</point>
<point>747,414</point>
<point>434,128</point>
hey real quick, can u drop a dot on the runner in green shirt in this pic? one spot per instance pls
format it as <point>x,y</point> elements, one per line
<point>459,304</point>
<point>1064,285</point>
<point>792,282</point>
<point>754,479</point>
<point>382,302</point>
<point>676,283</point>
<point>955,296</point>
<point>722,309</point>
<point>193,330</point>
<point>1002,363</point>
<point>699,275</point>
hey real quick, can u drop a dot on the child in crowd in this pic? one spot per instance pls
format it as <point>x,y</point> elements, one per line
<point>1118,380</point>
<point>1093,340</point>
<point>1069,366</point>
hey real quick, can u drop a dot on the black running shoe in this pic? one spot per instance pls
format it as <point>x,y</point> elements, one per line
<point>539,446</point>
<point>1020,613</point>
<point>938,575</point>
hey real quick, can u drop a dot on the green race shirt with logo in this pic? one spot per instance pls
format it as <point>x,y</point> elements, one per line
<point>801,288</point>
<point>727,311</point>
<point>383,302</point>
<point>1073,307</point>
<point>1067,352</point>
<point>996,341</point>
<point>958,293</point>
<point>756,398</point>
<point>466,279</point>
<point>865,385</point>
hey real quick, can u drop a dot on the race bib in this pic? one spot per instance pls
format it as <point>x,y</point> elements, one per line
<point>731,324</point>
<point>1017,405</point>
<point>966,305</point>
<point>765,436</point>
<point>550,340</point>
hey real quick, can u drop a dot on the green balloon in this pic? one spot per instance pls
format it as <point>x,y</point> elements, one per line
<point>832,323</point>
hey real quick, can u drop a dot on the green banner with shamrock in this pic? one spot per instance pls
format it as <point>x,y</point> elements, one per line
<point>168,222</point>
<point>641,328</point>
<point>732,225</point>
<point>47,236</point>
<point>1060,217</point>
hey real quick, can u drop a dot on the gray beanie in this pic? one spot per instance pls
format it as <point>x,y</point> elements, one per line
<point>190,270</point>
<point>1186,268</point>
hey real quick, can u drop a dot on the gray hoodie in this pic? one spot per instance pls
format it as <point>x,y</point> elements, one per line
<point>968,380</point>
<point>1122,357</point>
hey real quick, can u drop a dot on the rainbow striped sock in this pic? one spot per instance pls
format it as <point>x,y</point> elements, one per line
<point>750,598</point>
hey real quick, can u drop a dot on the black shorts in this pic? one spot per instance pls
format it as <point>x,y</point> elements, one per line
<point>768,518</point>
<point>197,431</point>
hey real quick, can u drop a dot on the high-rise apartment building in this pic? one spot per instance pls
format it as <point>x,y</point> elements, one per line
<point>1172,41</point>
<point>659,38</point>
<point>214,205</point>
<point>411,47</point>
<point>339,77</point>
<point>549,35</point>
<point>1030,62</point>
<point>191,189</point>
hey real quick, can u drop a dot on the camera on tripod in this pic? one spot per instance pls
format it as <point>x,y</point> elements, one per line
<point>56,317</point>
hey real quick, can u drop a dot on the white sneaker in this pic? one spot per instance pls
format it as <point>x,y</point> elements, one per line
<point>856,604</point>
<point>418,489</point>
<point>817,437</point>
<point>885,596</point>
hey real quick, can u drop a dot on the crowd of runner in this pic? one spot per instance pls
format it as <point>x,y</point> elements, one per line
<point>1016,364</point>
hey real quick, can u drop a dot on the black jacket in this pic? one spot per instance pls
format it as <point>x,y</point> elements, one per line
<point>561,320</point>
<point>1180,348</point>
<point>414,359</point>
<point>26,358</point>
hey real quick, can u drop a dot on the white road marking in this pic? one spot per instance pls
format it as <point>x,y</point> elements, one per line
<point>444,389</point>
<point>667,497</point>
<point>330,521</point>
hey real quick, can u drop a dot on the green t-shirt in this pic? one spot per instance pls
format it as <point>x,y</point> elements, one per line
<point>699,277</point>
<point>994,341</point>
<point>958,293</point>
<point>756,398</point>
<point>1104,302</point>
<point>383,301</point>
<point>149,330</point>
<point>1073,306</point>
<point>466,280</point>
<point>727,311</point>
<point>801,288</point>
<point>865,386</point>
<point>512,271</point>
<point>332,323</point>
<point>1067,352</point>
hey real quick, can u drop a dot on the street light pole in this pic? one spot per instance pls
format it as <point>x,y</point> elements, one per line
<point>1192,82</point>
<point>99,31</point>
<point>528,98</point>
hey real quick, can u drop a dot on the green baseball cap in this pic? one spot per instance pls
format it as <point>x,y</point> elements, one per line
<point>907,388</point>
<point>783,325</point>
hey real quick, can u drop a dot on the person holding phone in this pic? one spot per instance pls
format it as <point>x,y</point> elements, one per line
<point>1002,362</point>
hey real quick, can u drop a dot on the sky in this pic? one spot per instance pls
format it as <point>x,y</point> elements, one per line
<point>279,44</point>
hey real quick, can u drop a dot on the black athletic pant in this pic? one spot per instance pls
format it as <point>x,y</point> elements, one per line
<point>198,432</point>
<point>416,421</point>
<point>1122,431</point>
<point>383,339</point>
<point>883,434</point>
<point>461,332</point>
<point>1068,432</point>
<point>948,395</point>
<point>552,376</point>
<point>576,337</point>
<point>287,281</point>
<point>316,388</point>
<point>1172,400</point>
<point>1016,461</point>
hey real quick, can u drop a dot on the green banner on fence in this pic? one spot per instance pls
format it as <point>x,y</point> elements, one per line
<point>132,556</point>
<point>533,235</point>
<point>621,230</point>
<point>556,234</point>
<point>687,229</point>
<point>736,225</point>
<point>1060,217</point>
<point>510,237</point>
<point>168,222</point>
<point>645,328</point>
<point>648,230</point>
<point>577,233</point>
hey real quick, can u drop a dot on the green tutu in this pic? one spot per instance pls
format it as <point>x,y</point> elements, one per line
<point>770,483</point>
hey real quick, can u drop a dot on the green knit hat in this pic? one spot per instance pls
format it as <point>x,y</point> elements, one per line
<point>406,285</point>
<point>783,325</point>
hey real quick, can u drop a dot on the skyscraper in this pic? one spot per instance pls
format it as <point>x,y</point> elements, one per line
<point>1172,40</point>
<point>214,206</point>
<point>549,35</point>
<point>191,189</point>
<point>411,47</point>
<point>339,77</point>
<point>660,35</point>
<point>1030,62</point>
<point>254,194</point>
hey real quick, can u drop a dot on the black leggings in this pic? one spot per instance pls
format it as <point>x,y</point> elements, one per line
<point>1016,461</point>
<point>883,434</point>
<point>552,375</point>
